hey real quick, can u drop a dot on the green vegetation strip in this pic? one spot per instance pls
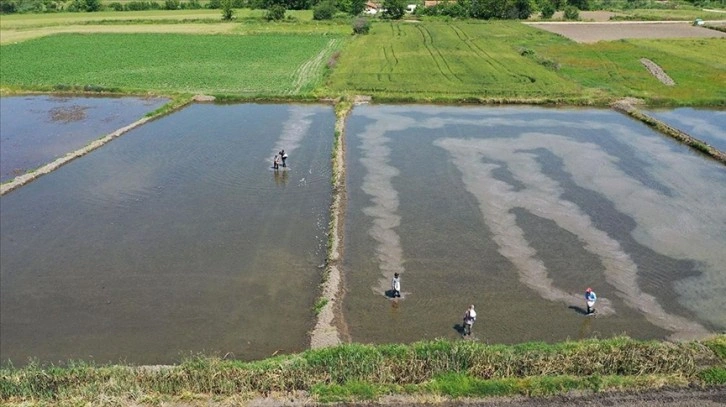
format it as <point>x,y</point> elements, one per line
<point>355,372</point>
<point>269,65</point>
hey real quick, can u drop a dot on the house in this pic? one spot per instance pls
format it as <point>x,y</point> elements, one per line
<point>431,3</point>
<point>372,8</point>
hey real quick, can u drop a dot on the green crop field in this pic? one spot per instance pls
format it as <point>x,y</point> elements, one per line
<point>451,59</point>
<point>508,60</point>
<point>615,68</point>
<point>170,63</point>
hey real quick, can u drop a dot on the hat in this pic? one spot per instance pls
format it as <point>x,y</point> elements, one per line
<point>395,274</point>
<point>588,290</point>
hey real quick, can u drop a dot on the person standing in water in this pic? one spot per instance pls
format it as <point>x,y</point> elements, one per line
<point>283,156</point>
<point>590,299</point>
<point>276,162</point>
<point>396,286</point>
<point>469,318</point>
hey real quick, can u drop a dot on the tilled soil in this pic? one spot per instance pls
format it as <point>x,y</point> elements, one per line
<point>611,31</point>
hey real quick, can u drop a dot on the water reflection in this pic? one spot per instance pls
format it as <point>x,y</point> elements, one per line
<point>35,130</point>
<point>169,241</point>
<point>705,124</point>
<point>649,238</point>
<point>281,177</point>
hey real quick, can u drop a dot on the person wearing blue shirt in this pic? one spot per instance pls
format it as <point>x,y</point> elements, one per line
<point>590,299</point>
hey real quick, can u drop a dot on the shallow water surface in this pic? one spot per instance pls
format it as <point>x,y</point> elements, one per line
<point>704,124</point>
<point>35,130</point>
<point>517,211</point>
<point>175,238</point>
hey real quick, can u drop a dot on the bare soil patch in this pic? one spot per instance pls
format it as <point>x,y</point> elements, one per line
<point>591,32</point>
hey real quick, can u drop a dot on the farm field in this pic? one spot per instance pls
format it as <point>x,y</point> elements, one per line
<point>21,27</point>
<point>426,60</point>
<point>603,31</point>
<point>509,60</point>
<point>170,63</point>
<point>615,68</point>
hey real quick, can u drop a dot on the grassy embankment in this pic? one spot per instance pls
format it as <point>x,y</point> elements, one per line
<point>363,372</point>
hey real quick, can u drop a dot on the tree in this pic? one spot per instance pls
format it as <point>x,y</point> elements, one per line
<point>522,9</point>
<point>227,9</point>
<point>92,5</point>
<point>357,7</point>
<point>394,9</point>
<point>325,10</point>
<point>275,12</point>
<point>547,9</point>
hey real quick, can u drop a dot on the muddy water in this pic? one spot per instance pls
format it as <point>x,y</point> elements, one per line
<point>35,130</point>
<point>176,238</point>
<point>704,124</point>
<point>518,210</point>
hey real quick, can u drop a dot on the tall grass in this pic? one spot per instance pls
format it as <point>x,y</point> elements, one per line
<point>357,371</point>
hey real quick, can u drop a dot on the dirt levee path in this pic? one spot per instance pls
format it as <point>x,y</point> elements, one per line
<point>611,31</point>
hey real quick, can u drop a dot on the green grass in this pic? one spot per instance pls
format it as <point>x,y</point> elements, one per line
<point>168,63</point>
<point>508,61</point>
<point>449,60</point>
<point>615,69</point>
<point>681,14</point>
<point>350,372</point>
<point>25,21</point>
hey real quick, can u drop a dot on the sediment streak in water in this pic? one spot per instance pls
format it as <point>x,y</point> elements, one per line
<point>293,131</point>
<point>679,223</point>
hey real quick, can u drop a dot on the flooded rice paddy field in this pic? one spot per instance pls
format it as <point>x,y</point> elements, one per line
<point>36,130</point>
<point>518,210</point>
<point>176,238</point>
<point>705,125</point>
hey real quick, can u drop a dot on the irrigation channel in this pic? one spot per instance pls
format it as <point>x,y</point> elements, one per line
<point>179,238</point>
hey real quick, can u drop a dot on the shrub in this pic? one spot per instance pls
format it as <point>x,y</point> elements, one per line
<point>325,10</point>
<point>8,7</point>
<point>572,13</point>
<point>171,4</point>
<point>276,12</point>
<point>191,5</point>
<point>116,6</point>
<point>227,10</point>
<point>547,9</point>
<point>141,5</point>
<point>361,25</point>
<point>580,4</point>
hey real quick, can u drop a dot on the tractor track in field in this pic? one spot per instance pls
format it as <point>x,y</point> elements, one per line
<point>479,51</point>
<point>305,73</point>
<point>429,44</point>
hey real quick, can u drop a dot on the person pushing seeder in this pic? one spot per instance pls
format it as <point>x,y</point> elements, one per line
<point>590,299</point>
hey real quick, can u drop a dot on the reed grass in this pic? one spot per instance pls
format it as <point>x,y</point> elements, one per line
<point>363,372</point>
